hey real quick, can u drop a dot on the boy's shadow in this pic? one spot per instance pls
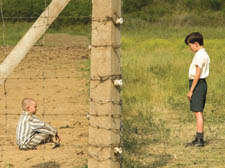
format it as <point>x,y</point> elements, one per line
<point>159,161</point>
<point>46,165</point>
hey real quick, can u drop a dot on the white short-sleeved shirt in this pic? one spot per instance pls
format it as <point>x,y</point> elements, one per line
<point>201,59</point>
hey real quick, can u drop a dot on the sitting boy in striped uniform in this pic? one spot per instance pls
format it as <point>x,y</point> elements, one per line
<point>31,131</point>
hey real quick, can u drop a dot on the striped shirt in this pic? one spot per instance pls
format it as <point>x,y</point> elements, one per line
<point>28,125</point>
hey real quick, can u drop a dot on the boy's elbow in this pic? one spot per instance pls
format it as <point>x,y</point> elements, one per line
<point>198,76</point>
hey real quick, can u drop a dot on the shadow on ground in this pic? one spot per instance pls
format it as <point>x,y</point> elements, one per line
<point>46,165</point>
<point>159,161</point>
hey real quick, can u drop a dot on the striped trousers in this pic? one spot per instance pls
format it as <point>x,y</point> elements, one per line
<point>37,139</point>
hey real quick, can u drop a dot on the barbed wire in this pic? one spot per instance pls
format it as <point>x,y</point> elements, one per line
<point>102,102</point>
<point>100,149</point>
<point>3,41</point>
<point>96,158</point>
<point>40,115</point>
<point>112,117</point>
<point>115,116</point>
<point>6,105</point>
<point>116,49</point>
<point>43,106</point>
<point>116,131</point>
<point>40,78</point>
<point>101,22</point>
<point>94,19</point>
<point>68,145</point>
<point>47,23</point>
<point>104,78</point>
<point>44,78</point>
<point>45,17</point>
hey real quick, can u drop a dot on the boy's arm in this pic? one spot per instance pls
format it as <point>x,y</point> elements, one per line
<point>195,81</point>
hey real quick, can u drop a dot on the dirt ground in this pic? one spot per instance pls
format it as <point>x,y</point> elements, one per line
<point>52,75</point>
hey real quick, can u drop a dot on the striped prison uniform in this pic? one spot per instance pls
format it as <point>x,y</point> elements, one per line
<point>31,132</point>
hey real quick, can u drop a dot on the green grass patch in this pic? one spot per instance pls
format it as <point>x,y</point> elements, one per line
<point>155,75</point>
<point>156,117</point>
<point>13,32</point>
<point>84,166</point>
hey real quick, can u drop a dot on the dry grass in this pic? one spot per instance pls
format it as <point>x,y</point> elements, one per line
<point>157,120</point>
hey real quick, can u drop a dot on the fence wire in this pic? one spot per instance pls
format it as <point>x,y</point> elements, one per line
<point>44,78</point>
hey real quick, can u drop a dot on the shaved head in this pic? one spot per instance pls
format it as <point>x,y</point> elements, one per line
<point>27,102</point>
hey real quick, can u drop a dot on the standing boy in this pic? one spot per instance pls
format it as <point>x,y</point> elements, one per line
<point>31,131</point>
<point>198,72</point>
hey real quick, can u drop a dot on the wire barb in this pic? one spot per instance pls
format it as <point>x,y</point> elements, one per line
<point>103,102</point>
<point>6,106</point>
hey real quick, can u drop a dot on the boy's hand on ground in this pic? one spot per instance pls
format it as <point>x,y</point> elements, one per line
<point>57,143</point>
<point>189,95</point>
<point>57,138</point>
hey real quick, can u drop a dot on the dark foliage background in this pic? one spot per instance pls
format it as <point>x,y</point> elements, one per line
<point>166,11</point>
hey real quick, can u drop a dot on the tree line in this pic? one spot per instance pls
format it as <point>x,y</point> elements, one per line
<point>79,11</point>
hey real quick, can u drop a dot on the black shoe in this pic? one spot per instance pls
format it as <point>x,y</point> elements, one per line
<point>197,142</point>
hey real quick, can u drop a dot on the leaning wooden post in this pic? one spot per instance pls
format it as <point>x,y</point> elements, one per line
<point>31,37</point>
<point>104,118</point>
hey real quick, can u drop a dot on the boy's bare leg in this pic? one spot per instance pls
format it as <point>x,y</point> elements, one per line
<point>199,138</point>
<point>199,122</point>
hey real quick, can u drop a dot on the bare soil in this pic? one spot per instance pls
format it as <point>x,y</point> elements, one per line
<point>52,75</point>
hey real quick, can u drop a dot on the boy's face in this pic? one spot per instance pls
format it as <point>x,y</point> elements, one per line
<point>32,108</point>
<point>193,46</point>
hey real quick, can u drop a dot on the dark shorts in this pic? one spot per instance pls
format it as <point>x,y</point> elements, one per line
<point>198,98</point>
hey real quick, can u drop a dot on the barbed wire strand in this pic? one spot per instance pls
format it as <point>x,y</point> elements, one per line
<point>94,19</point>
<point>3,42</point>
<point>102,79</point>
<point>53,114</point>
<point>40,78</point>
<point>43,38</point>
<point>43,114</point>
<point>6,106</point>
<point>50,17</point>
<point>116,131</point>
<point>97,19</point>
<point>67,145</point>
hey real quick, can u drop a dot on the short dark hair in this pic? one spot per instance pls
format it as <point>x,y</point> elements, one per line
<point>194,37</point>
